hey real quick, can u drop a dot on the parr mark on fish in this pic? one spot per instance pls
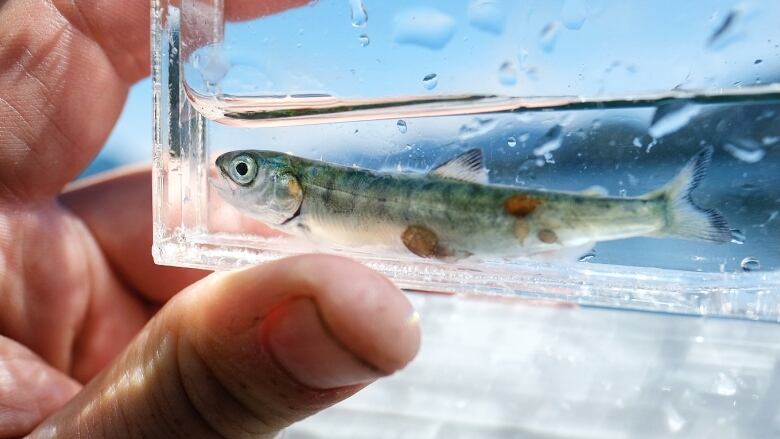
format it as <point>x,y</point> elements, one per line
<point>521,205</point>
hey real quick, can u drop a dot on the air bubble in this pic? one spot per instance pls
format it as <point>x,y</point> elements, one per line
<point>511,142</point>
<point>430,81</point>
<point>549,36</point>
<point>402,126</point>
<point>551,141</point>
<point>364,40</point>
<point>750,264</point>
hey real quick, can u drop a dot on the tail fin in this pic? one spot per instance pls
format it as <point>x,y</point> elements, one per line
<point>684,219</point>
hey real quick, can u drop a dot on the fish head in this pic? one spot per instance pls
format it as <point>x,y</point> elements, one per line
<point>261,184</point>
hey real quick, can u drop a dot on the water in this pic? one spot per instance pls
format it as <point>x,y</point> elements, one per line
<point>564,149</point>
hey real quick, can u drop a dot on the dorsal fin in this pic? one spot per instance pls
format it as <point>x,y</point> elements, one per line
<point>466,167</point>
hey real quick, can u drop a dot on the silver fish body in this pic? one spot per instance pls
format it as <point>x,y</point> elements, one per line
<point>452,212</point>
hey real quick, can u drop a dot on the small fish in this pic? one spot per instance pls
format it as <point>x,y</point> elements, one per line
<point>452,212</point>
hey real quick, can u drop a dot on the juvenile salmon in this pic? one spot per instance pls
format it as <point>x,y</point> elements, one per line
<point>453,212</point>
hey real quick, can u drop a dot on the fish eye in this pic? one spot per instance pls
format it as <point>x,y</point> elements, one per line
<point>243,169</point>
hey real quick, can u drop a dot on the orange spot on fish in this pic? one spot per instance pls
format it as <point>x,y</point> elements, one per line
<point>421,241</point>
<point>521,205</point>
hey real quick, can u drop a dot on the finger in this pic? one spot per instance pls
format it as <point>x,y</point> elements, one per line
<point>58,294</point>
<point>246,353</point>
<point>65,67</point>
<point>117,209</point>
<point>246,9</point>
<point>30,390</point>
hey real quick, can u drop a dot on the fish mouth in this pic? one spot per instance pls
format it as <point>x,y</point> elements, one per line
<point>223,185</point>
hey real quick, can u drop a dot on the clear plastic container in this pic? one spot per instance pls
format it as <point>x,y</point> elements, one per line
<point>566,95</point>
<point>560,96</point>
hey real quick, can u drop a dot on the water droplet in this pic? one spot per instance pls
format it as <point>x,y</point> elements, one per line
<point>671,117</point>
<point>364,40</point>
<point>487,16</point>
<point>737,236</point>
<point>574,13</point>
<point>724,34</point>
<point>477,127</point>
<point>746,150</point>
<point>430,81</point>
<point>507,74</point>
<point>725,385</point>
<point>212,64</point>
<point>424,27</point>
<point>587,256</point>
<point>549,36</point>
<point>750,264</point>
<point>359,14</point>
<point>550,142</point>
<point>511,142</point>
<point>402,126</point>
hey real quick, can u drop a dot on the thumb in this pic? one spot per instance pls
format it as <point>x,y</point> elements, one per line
<point>247,353</point>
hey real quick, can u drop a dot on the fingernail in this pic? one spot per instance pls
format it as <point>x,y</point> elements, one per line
<point>301,344</point>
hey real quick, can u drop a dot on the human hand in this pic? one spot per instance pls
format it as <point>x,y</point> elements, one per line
<point>240,354</point>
